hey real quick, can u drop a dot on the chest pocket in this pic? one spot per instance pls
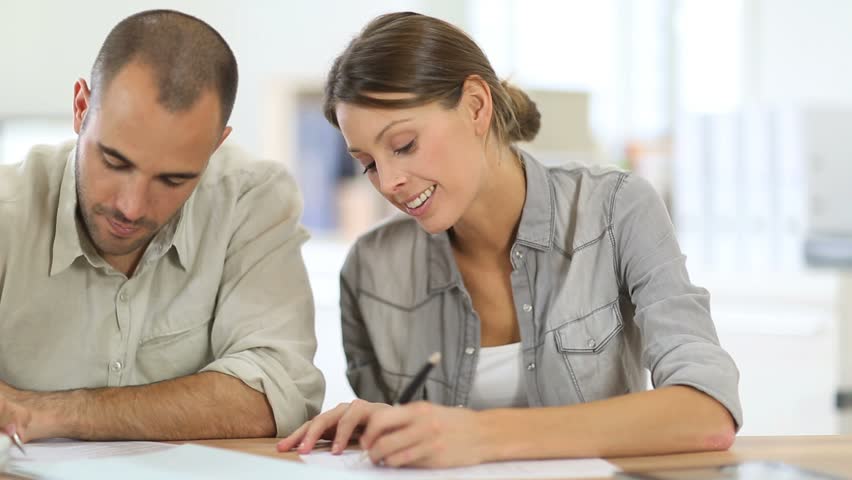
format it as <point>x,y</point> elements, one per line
<point>593,350</point>
<point>178,345</point>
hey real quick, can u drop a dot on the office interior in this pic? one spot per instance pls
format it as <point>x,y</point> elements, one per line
<point>734,110</point>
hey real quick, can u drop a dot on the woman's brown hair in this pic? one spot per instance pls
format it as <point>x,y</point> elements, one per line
<point>429,58</point>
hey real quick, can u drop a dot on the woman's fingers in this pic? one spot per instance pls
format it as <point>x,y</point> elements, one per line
<point>322,426</point>
<point>290,441</point>
<point>388,420</point>
<point>356,415</point>
<point>401,447</point>
<point>306,436</point>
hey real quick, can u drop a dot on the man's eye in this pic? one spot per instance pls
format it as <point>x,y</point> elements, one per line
<point>171,183</point>
<point>113,166</point>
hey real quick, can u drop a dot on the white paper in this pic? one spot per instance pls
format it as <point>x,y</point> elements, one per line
<point>5,446</point>
<point>181,462</point>
<point>351,461</point>
<point>63,450</point>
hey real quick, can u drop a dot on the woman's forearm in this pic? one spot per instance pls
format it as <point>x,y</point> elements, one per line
<point>667,420</point>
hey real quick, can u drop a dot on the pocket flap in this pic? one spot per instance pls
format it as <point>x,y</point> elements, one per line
<point>591,333</point>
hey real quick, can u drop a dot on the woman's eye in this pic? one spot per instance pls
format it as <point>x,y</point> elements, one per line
<point>405,149</point>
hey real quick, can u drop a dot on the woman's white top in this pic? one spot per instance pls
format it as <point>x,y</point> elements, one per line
<point>498,382</point>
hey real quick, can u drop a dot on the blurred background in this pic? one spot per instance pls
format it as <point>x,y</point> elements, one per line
<point>735,110</point>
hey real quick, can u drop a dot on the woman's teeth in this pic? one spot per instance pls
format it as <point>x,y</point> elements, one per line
<point>421,199</point>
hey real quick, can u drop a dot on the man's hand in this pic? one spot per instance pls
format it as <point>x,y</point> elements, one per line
<point>14,417</point>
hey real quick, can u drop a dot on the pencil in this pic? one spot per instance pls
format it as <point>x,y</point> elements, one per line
<point>418,380</point>
<point>17,441</point>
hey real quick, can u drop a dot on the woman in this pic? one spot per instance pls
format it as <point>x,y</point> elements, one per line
<point>548,291</point>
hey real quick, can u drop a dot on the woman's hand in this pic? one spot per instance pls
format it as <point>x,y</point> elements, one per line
<point>423,434</point>
<point>338,424</point>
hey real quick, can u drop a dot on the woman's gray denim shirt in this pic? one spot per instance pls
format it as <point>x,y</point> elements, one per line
<point>600,288</point>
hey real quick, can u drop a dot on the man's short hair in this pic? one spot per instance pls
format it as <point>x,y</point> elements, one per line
<point>186,54</point>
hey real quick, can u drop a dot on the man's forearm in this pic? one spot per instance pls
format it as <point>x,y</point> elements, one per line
<point>204,405</point>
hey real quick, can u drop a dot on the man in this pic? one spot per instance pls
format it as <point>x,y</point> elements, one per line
<point>147,290</point>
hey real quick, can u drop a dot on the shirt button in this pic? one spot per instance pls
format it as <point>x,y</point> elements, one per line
<point>592,343</point>
<point>527,307</point>
<point>115,366</point>
<point>469,350</point>
<point>122,296</point>
<point>531,366</point>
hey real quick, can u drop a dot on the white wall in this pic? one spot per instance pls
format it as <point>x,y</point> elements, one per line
<point>46,45</point>
<point>804,51</point>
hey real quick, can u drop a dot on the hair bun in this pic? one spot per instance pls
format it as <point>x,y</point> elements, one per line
<point>527,117</point>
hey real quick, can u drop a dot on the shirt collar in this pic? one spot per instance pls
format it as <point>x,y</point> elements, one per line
<point>180,234</point>
<point>72,242</point>
<point>442,271</point>
<point>67,246</point>
<point>535,229</point>
<point>537,217</point>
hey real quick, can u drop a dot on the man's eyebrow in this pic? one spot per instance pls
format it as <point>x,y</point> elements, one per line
<point>112,152</point>
<point>115,153</point>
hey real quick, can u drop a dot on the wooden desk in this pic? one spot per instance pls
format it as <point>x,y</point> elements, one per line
<point>829,454</point>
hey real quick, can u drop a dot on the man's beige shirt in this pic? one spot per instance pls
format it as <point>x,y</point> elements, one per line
<point>221,288</point>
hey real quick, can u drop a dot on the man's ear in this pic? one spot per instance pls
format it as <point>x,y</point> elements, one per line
<point>225,134</point>
<point>476,99</point>
<point>82,99</point>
